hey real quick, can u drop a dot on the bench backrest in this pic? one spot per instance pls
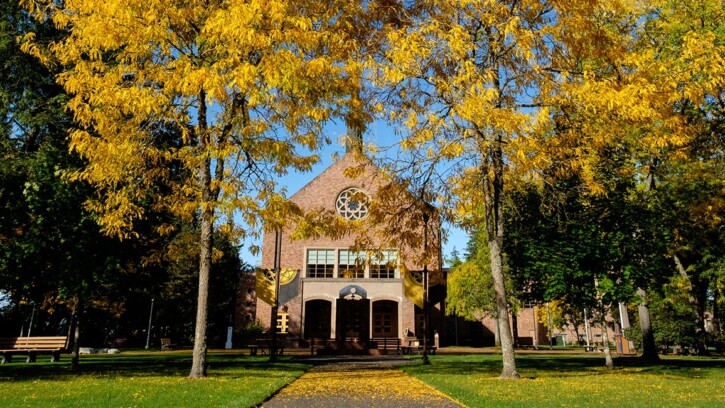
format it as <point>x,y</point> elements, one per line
<point>387,342</point>
<point>33,343</point>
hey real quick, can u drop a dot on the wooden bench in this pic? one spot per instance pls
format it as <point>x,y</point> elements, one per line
<point>596,346</point>
<point>32,346</point>
<point>387,343</point>
<point>412,345</point>
<point>166,344</point>
<point>257,346</point>
<point>318,344</point>
<point>262,345</point>
<point>415,345</point>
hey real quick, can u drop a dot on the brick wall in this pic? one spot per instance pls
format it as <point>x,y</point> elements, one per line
<point>246,302</point>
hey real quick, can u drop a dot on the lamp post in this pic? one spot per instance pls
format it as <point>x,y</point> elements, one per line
<point>275,305</point>
<point>586,327</point>
<point>148,332</point>
<point>426,321</point>
<point>548,319</point>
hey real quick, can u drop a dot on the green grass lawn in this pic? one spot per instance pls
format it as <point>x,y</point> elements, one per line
<point>575,381</point>
<point>144,379</point>
<point>158,379</point>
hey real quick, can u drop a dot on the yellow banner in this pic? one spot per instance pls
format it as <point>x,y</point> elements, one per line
<point>265,284</point>
<point>413,286</point>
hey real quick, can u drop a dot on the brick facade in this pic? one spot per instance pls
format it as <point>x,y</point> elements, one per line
<point>246,302</point>
<point>319,195</point>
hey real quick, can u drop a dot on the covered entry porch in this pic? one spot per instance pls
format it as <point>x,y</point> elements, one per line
<point>352,322</point>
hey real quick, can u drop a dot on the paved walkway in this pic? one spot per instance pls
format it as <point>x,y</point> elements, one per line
<point>359,383</point>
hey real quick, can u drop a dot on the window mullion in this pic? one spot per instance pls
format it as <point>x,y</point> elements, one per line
<point>336,265</point>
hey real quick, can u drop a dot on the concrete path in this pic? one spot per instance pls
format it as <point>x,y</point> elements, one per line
<point>359,382</point>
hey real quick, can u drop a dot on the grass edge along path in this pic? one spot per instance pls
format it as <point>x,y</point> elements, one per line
<point>146,379</point>
<point>559,380</point>
<point>360,384</point>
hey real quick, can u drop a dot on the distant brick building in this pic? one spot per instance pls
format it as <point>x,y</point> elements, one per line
<point>484,332</point>
<point>531,329</point>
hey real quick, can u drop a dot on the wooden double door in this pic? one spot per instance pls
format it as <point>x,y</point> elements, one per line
<point>353,320</point>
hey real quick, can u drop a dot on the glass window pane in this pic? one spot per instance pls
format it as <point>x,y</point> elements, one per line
<point>320,263</point>
<point>384,265</point>
<point>350,264</point>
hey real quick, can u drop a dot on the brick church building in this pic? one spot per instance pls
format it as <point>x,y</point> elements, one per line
<point>348,296</point>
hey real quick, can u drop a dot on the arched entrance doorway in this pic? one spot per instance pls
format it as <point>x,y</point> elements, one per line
<point>385,318</point>
<point>353,317</point>
<point>318,318</point>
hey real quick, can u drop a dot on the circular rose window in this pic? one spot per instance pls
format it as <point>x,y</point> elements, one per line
<point>352,204</point>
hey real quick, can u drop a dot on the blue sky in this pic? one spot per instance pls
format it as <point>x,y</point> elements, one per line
<point>378,133</point>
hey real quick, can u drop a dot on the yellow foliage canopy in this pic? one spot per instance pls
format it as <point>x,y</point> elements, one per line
<point>160,87</point>
<point>559,82</point>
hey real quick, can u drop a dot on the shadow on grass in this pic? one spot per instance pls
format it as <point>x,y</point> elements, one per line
<point>536,366</point>
<point>146,365</point>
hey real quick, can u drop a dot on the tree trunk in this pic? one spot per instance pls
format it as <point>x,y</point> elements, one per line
<point>198,365</point>
<point>649,348</point>
<point>624,316</point>
<point>608,362</point>
<point>504,327</point>
<point>492,178</point>
<point>536,328</point>
<point>75,354</point>
<point>697,305</point>
<point>624,320</point>
<point>69,343</point>
<point>515,324</point>
<point>716,327</point>
<point>549,333</point>
<point>497,333</point>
